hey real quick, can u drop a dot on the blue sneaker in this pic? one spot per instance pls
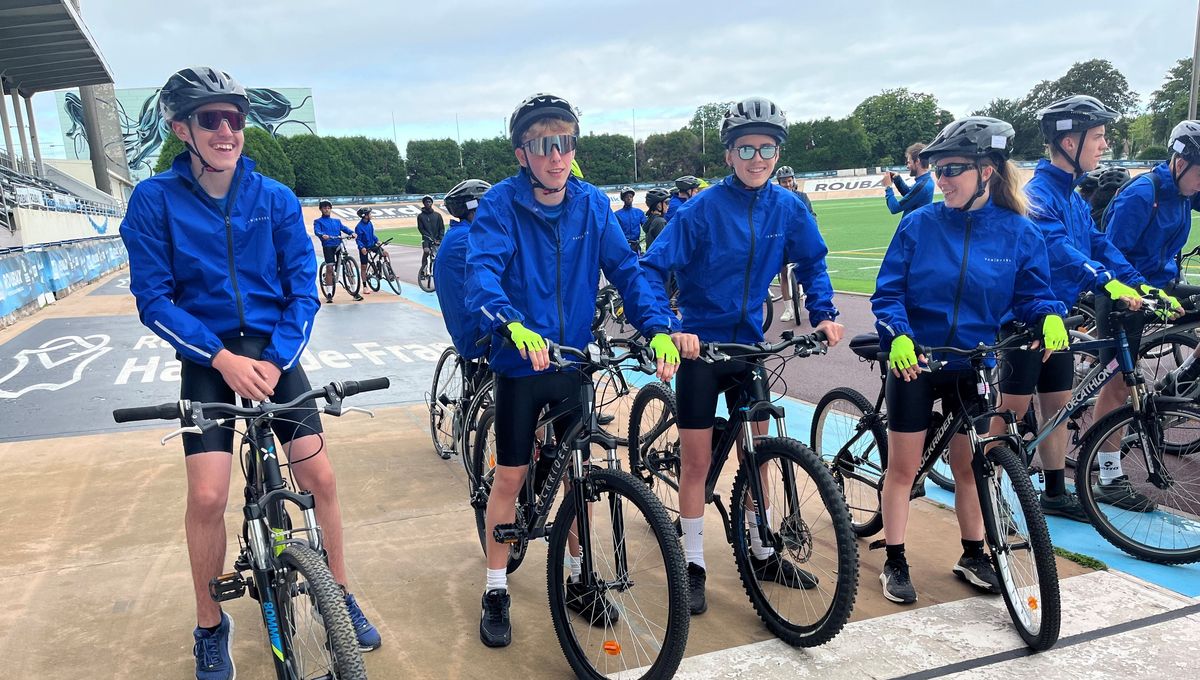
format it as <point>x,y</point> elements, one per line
<point>368,637</point>
<point>212,650</point>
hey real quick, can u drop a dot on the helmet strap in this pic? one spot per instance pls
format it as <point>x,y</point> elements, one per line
<point>981,187</point>
<point>204,166</point>
<point>1176,176</point>
<point>1078,152</point>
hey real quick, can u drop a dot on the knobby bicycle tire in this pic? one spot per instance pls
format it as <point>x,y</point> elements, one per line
<point>338,651</point>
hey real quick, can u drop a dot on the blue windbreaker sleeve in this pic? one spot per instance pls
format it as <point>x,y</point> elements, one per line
<point>1032,295</point>
<point>298,278</point>
<point>806,249</point>
<point>645,303</point>
<point>346,230</point>
<point>490,249</point>
<point>891,287</point>
<point>1113,259</point>
<point>671,251</point>
<point>1067,261</point>
<point>152,282</point>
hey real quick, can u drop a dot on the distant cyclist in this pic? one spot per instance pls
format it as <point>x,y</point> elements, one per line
<point>786,177</point>
<point>365,239</point>
<point>239,324</point>
<point>685,187</point>
<point>536,249</point>
<point>330,230</point>
<point>656,205</point>
<point>919,194</point>
<point>724,249</point>
<point>953,270</point>
<point>1081,260</point>
<point>432,228</point>
<point>450,270</point>
<point>630,218</point>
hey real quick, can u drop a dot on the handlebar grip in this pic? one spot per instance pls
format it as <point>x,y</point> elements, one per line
<point>160,412</point>
<point>353,387</point>
<point>1074,321</point>
<point>820,336</point>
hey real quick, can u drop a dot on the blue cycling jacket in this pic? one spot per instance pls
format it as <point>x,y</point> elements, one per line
<point>919,195</point>
<point>950,277</point>
<point>450,281</point>
<point>331,227</point>
<point>524,268</point>
<point>200,274</point>
<point>1151,248</point>
<point>673,205</point>
<point>727,246</point>
<point>1081,258</point>
<point>630,220</point>
<point>364,234</point>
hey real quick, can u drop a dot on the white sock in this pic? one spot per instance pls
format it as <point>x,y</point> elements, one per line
<point>1110,465</point>
<point>693,540</point>
<point>576,566</point>
<point>757,548</point>
<point>497,578</point>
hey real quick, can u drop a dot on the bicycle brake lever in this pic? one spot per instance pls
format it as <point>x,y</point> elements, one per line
<point>359,409</point>
<point>177,433</point>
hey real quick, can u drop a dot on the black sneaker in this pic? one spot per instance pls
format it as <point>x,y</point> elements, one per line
<point>328,299</point>
<point>1066,505</point>
<point>978,571</point>
<point>775,568</point>
<point>696,578</point>
<point>591,605</point>
<point>605,419</point>
<point>897,586</point>
<point>358,298</point>
<point>1120,493</point>
<point>495,628</point>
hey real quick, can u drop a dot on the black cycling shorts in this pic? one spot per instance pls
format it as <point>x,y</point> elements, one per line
<point>1023,372</point>
<point>205,384</point>
<point>519,404</point>
<point>363,257</point>
<point>698,383</point>
<point>330,254</point>
<point>910,404</point>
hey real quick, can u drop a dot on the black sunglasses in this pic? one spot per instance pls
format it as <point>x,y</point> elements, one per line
<point>211,120</point>
<point>767,151</point>
<point>952,169</point>
<point>544,146</point>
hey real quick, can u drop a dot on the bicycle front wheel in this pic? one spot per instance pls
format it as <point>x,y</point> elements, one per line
<point>349,276</point>
<point>314,627</point>
<point>797,294</point>
<point>854,445</point>
<point>654,452</point>
<point>629,615</point>
<point>328,280</point>
<point>803,580</point>
<point>445,404</point>
<point>425,276</point>
<point>1021,549</point>
<point>768,313</point>
<point>613,403</point>
<point>373,275</point>
<point>388,274</point>
<point>1152,511</point>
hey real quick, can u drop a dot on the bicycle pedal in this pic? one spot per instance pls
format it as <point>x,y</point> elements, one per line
<point>508,533</point>
<point>227,587</point>
<point>917,492</point>
<point>242,563</point>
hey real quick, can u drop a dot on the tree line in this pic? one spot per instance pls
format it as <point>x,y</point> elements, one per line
<point>875,133</point>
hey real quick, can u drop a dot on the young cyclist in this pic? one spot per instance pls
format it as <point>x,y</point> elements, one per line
<point>724,249</point>
<point>630,218</point>
<point>951,272</point>
<point>450,269</point>
<point>1081,260</point>
<point>1149,222</point>
<point>329,230</point>
<point>685,187</point>
<point>786,177</point>
<point>656,204</point>
<point>365,239</point>
<point>920,194</point>
<point>432,228</point>
<point>535,251</point>
<point>222,269</point>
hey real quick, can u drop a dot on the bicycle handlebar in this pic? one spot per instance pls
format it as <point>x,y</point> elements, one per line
<point>806,345</point>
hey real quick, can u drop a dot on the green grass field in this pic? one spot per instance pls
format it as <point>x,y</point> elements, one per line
<point>856,230</point>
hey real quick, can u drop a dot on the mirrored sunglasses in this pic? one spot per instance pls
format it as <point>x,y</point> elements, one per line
<point>544,146</point>
<point>211,120</point>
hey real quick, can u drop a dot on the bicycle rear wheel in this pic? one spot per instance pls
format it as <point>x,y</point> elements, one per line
<point>613,403</point>
<point>630,615</point>
<point>797,294</point>
<point>445,404</point>
<point>318,638</point>
<point>654,452</point>
<point>768,313</point>
<point>854,446</point>
<point>1020,544</point>
<point>804,581</point>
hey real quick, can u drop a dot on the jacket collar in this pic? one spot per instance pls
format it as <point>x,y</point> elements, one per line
<point>182,166</point>
<point>1166,183</point>
<point>523,188</point>
<point>1065,182</point>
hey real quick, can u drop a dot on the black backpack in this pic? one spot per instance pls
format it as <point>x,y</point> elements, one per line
<point>1102,225</point>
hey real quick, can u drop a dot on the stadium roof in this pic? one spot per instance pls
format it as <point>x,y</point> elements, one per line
<point>44,45</point>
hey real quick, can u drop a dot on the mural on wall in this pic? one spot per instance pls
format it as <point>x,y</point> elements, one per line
<point>282,111</point>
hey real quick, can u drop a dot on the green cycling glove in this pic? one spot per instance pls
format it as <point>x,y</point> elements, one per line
<point>903,354</point>
<point>524,338</point>
<point>664,348</point>
<point>1054,333</point>
<point>1172,302</point>
<point>1117,290</point>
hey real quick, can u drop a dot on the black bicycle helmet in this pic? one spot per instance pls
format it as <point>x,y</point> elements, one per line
<point>753,116</point>
<point>324,204</point>
<point>973,137</point>
<point>363,212</point>
<point>1111,178</point>
<point>784,171</point>
<point>464,197</point>
<point>627,190</point>
<point>1077,113</point>
<point>538,107</point>
<point>656,197</point>
<point>687,183</point>
<point>191,88</point>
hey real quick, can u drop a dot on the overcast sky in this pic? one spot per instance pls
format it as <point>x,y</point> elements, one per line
<point>424,62</point>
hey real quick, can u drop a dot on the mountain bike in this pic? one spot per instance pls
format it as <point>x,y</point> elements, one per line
<point>379,268</point>
<point>461,388</point>
<point>630,552</point>
<point>805,518</point>
<point>343,270</point>
<point>303,608</point>
<point>425,273</point>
